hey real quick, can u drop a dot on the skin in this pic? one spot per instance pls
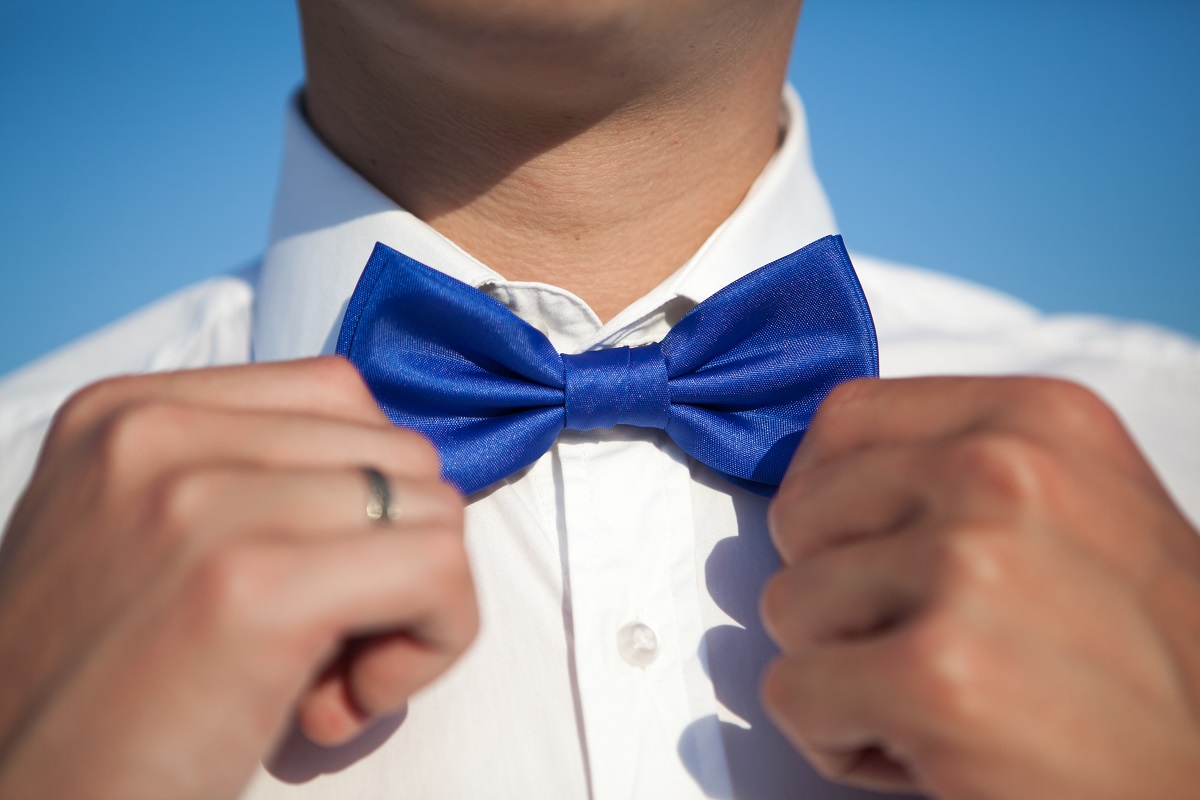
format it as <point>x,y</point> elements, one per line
<point>986,594</point>
<point>190,567</point>
<point>590,145</point>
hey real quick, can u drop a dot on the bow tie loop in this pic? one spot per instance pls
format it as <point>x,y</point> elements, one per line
<point>618,386</point>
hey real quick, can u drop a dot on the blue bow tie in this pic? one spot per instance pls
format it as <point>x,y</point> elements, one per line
<point>734,383</point>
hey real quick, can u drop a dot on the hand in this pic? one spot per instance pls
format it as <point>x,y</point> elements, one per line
<point>986,593</point>
<point>192,564</point>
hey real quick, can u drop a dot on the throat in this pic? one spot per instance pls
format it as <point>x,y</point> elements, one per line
<point>598,224</point>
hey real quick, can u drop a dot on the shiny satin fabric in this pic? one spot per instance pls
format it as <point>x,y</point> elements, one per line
<point>735,383</point>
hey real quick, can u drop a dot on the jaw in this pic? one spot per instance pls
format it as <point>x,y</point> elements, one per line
<point>570,57</point>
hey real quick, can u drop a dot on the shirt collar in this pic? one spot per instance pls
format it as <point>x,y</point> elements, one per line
<point>328,218</point>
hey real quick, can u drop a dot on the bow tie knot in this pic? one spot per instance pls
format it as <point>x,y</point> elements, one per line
<point>618,386</point>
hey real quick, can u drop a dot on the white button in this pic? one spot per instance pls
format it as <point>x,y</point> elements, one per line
<point>637,644</point>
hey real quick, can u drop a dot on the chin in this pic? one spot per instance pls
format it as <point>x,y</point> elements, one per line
<point>573,56</point>
<point>533,21</point>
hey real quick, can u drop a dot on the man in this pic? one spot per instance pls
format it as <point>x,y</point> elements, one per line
<point>980,588</point>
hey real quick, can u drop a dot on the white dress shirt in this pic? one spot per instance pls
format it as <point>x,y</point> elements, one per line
<point>620,648</point>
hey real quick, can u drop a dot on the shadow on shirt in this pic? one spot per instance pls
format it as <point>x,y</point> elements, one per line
<point>298,760</point>
<point>762,763</point>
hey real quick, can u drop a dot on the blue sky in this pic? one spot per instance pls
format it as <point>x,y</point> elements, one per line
<point>1046,147</point>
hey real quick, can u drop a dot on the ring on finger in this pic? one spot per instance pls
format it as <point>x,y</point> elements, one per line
<point>382,507</point>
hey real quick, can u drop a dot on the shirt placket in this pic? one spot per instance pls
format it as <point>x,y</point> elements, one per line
<point>647,708</point>
<point>622,501</point>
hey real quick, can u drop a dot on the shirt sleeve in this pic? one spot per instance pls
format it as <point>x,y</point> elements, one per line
<point>206,324</point>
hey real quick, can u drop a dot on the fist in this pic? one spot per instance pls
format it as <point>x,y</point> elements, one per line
<point>193,565</point>
<point>985,593</point>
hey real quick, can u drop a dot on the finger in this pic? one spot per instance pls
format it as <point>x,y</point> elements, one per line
<point>214,503</point>
<point>863,589</point>
<point>292,595</point>
<point>863,494</point>
<point>358,584</point>
<point>327,386</point>
<point>391,658</point>
<point>196,435</point>
<point>373,677</point>
<point>1060,415</point>
<point>327,713</point>
<point>145,441</point>
<point>869,413</point>
<point>384,671</point>
<point>837,706</point>
<point>417,583</point>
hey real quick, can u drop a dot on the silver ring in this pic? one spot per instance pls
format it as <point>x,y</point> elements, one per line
<point>381,509</point>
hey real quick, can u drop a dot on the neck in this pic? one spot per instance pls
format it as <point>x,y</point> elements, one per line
<point>581,163</point>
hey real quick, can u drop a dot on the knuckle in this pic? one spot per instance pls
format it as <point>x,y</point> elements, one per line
<point>179,499</point>
<point>943,669</point>
<point>971,557</point>
<point>230,580</point>
<point>336,373</point>
<point>783,516</point>
<point>134,433</point>
<point>785,493</point>
<point>848,393</point>
<point>86,406</point>
<point>970,560</point>
<point>777,514</point>
<point>777,689</point>
<point>98,395</point>
<point>1006,467</point>
<point>417,452</point>
<point>1070,405</point>
<point>449,509</point>
<point>835,421</point>
<point>839,405</point>
<point>790,494</point>
<point>774,603</point>
<point>343,381</point>
<point>447,564</point>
